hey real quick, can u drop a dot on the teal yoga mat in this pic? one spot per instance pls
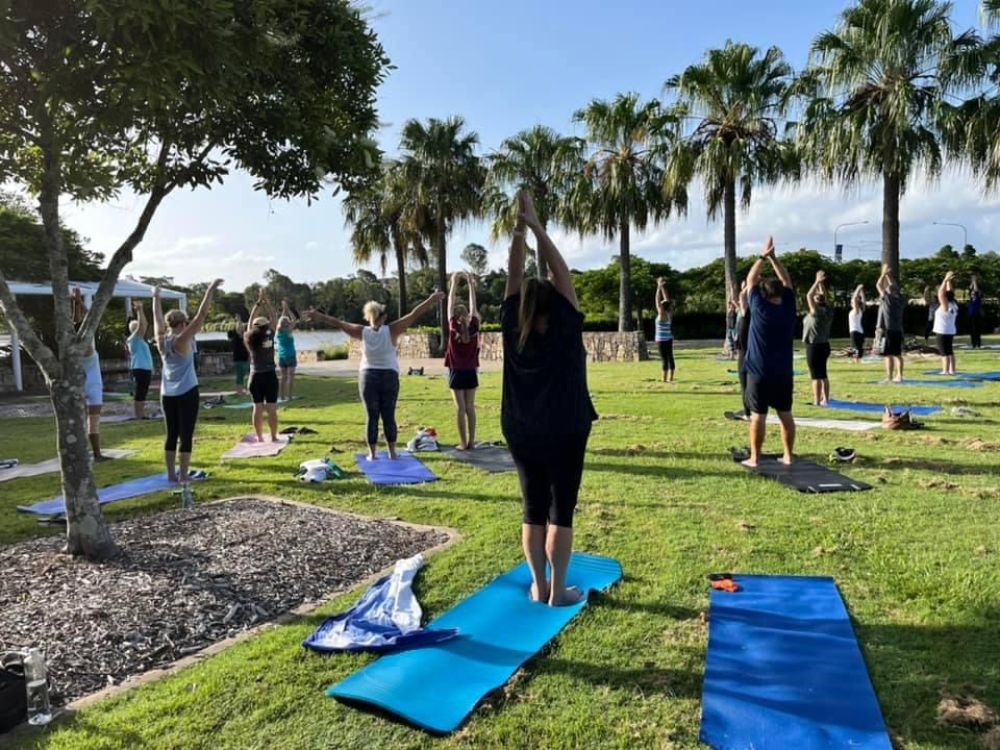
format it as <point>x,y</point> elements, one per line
<point>500,628</point>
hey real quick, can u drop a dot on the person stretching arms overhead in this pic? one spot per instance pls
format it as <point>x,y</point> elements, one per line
<point>664,329</point>
<point>769,353</point>
<point>855,323</point>
<point>546,412</point>
<point>816,336</point>
<point>945,325</point>
<point>462,359</point>
<point>378,381</point>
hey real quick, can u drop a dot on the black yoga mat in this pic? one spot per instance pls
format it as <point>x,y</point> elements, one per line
<point>491,458</point>
<point>806,476</point>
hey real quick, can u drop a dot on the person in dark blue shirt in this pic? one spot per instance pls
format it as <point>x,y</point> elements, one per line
<point>769,353</point>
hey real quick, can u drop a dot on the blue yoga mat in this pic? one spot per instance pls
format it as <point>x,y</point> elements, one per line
<point>935,383</point>
<point>784,670</point>
<point>994,375</point>
<point>406,469</point>
<point>500,628</point>
<point>917,411</point>
<point>124,491</point>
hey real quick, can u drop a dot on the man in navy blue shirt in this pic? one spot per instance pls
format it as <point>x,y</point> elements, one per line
<point>769,353</point>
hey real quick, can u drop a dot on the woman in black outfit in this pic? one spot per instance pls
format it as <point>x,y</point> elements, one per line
<point>546,413</point>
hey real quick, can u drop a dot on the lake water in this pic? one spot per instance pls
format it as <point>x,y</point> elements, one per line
<point>304,340</point>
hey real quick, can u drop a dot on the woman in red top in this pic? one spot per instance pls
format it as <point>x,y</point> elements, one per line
<point>462,359</point>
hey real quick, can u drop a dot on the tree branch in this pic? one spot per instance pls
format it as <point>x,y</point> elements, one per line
<point>44,357</point>
<point>123,255</point>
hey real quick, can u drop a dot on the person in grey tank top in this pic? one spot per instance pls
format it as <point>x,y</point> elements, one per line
<point>378,381</point>
<point>174,335</point>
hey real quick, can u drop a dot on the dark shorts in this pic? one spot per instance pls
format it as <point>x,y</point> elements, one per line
<point>140,380</point>
<point>816,357</point>
<point>264,387</point>
<point>463,380</point>
<point>946,344</point>
<point>762,393</point>
<point>858,343</point>
<point>550,479</point>
<point>893,344</point>
<point>285,362</point>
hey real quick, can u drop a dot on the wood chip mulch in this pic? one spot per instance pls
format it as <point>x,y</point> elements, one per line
<point>185,580</point>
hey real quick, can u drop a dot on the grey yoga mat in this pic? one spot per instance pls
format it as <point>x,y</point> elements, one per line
<point>491,458</point>
<point>806,476</point>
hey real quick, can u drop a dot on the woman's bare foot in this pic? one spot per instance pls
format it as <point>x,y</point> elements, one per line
<point>538,596</point>
<point>392,455</point>
<point>786,460</point>
<point>571,595</point>
<point>750,463</point>
<point>371,456</point>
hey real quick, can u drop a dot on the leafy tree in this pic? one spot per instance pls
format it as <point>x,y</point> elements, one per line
<point>729,107</point>
<point>875,86</point>
<point>441,169</point>
<point>540,160</point>
<point>385,219</point>
<point>476,258</point>
<point>97,96</point>
<point>623,180</point>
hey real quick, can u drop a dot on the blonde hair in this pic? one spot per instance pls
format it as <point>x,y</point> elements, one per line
<point>175,318</point>
<point>374,312</point>
<point>133,326</point>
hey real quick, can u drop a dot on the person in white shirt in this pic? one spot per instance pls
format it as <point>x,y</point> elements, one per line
<point>378,381</point>
<point>855,322</point>
<point>945,323</point>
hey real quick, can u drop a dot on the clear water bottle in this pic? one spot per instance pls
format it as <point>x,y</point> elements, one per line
<point>187,495</point>
<point>39,710</point>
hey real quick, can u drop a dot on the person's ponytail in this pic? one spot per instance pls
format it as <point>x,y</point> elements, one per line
<point>536,300</point>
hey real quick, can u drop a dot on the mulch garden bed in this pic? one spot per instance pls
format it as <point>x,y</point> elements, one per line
<point>186,579</point>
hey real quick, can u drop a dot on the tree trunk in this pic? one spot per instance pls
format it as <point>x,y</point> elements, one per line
<point>401,270</point>
<point>890,224</point>
<point>442,264</point>
<point>729,242</point>
<point>87,532</point>
<point>625,288</point>
<point>540,265</point>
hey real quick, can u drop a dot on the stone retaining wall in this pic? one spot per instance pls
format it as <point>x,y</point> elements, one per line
<point>601,346</point>
<point>411,346</point>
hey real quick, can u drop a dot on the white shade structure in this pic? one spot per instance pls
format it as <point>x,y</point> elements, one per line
<point>125,288</point>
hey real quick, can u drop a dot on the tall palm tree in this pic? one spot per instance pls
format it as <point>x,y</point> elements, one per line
<point>440,166</point>
<point>622,183</point>
<point>729,108</point>
<point>384,221</point>
<point>876,84</point>
<point>540,160</point>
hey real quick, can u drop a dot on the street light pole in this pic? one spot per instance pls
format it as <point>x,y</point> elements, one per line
<point>965,232</point>
<point>841,226</point>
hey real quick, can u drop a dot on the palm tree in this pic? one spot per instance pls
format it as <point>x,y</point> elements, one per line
<point>729,108</point>
<point>622,183</point>
<point>445,176</point>
<point>876,84</point>
<point>540,160</point>
<point>971,129</point>
<point>384,221</point>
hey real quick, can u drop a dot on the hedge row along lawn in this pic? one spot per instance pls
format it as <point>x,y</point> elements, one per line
<point>916,560</point>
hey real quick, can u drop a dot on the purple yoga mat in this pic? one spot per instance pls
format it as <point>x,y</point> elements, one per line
<point>248,447</point>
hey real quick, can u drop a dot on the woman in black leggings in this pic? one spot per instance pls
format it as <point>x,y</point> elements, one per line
<point>179,387</point>
<point>378,379</point>
<point>546,413</point>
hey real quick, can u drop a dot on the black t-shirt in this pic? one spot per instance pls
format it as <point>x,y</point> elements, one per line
<point>545,394</point>
<point>239,347</point>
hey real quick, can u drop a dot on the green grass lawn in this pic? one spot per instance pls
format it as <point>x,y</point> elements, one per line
<point>916,560</point>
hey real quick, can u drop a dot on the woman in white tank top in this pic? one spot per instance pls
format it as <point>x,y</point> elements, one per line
<point>378,380</point>
<point>855,323</point>
<point>945,323</point>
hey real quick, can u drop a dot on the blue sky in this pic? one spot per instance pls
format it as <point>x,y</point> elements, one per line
<point>505,66</point>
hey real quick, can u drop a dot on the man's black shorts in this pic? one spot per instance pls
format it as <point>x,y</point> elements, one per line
<point>762,393</point>
<point>893,344</point>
